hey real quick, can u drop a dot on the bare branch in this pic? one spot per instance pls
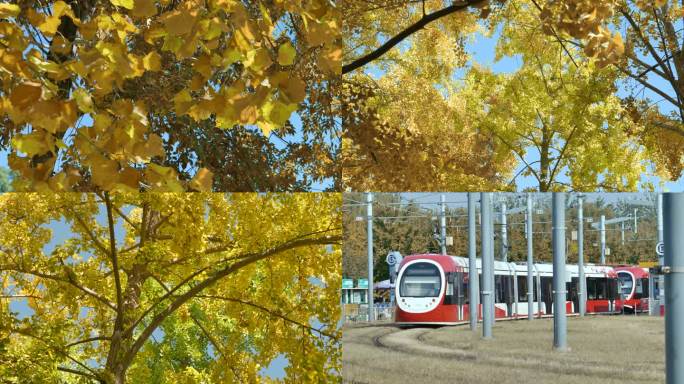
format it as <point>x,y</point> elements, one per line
<point>417,26</point>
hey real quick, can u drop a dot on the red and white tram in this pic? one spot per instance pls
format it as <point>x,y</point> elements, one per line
<point>633,287</point>
<point>433,289</point>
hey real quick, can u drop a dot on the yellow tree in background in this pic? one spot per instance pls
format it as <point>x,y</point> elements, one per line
<point>409,125</point>
<point>169,288</point>
<point>93,94</point>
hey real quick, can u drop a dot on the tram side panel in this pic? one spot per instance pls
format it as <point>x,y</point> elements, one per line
<point>433,289</point>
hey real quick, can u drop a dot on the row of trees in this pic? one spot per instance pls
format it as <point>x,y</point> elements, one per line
<point>594,104</point>
<point>409,228</point>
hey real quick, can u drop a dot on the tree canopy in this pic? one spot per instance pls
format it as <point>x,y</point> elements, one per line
<point>587,106</point>
<point>165,95</point>
<point>169,288</point>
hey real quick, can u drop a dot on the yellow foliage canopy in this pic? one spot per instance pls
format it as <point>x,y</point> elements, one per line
<point>88,79</point>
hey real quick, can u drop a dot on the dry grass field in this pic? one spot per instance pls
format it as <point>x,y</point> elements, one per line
<point>603,349</point>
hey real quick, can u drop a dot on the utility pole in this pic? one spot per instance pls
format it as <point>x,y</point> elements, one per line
<point>492,287</point>
<point>530,267</point>
<point>487,264</point>
<point>673,270</point>
<point>603,240</point>
<point>580,256</point>
<point>559,288</point>
<point>369,221</point>
<point>636,228</point>
<point>504,234</point>
<point>473,283</point>
<point>442,222</point>
<point>622,233</point>
<point>661,259</point>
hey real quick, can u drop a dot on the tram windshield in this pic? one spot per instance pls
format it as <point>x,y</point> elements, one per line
<point>625,283</point>
<point>420,280</point>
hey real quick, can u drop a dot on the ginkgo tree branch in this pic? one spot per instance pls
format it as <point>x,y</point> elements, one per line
<point>88,340</point>
<point>80,373</point>
<point>69,280</point>
<point>415,27</point>
<point>60,351</point>
<point>192,292</point>
<point>114,258</point>
<point>268,311</point>
<point>88,232</point>
<point>178,286</point>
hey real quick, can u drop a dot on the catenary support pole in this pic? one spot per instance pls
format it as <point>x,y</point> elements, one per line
<point>559,288</point>
<point>491,260</point>
<point>369,220</point>
<point>622,233</point>
<point>504,234</point>
<point>636,226</point>
<point>442,222</point>
<point>473,279</point>
<point>661,259</point>
<point>582,292</point>
<point>603,240</point>
<point>673,208</point>
<point>487,264</point>
<point>530,261</point>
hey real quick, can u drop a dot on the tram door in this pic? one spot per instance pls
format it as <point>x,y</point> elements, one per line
<point>572,293</point>
<point>547,293</point>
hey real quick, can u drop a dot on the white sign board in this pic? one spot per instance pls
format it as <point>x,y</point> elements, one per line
<point>449,240</point>
<point>574,235</point>
<point>393,258</point>
<point>660,248</point>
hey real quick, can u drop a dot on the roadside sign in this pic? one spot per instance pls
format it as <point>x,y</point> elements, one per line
<point>391,258</point>
<point>347,283</point>
<point>449,240</point>
<point>574,235</point>
<point>660,248</point>
<point>362,283</point>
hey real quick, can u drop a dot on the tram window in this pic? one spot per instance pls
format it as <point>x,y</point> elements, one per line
<point>597,288</point>
<point>625,283</point>
<point>500,289</point>
<point>571,289</point>
<point>613,293</point>
<point>591,289</point>
<point>644,288</point>
<point>464,288</point>
<point>522,288</point>
<point>420,280</point>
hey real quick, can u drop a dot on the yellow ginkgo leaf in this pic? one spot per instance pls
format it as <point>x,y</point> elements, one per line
<point>286,54</point>
<point>31,144</point>
<point>128,4</point>
<point>182,101</point>
<point>83,100</point>
<point>202,180</point>
<point>294,89</point>
<point>144,8</point>
<point>9,10</point>
<point>179,22</point>
<point>152,61</point>
<point>25,94</point>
